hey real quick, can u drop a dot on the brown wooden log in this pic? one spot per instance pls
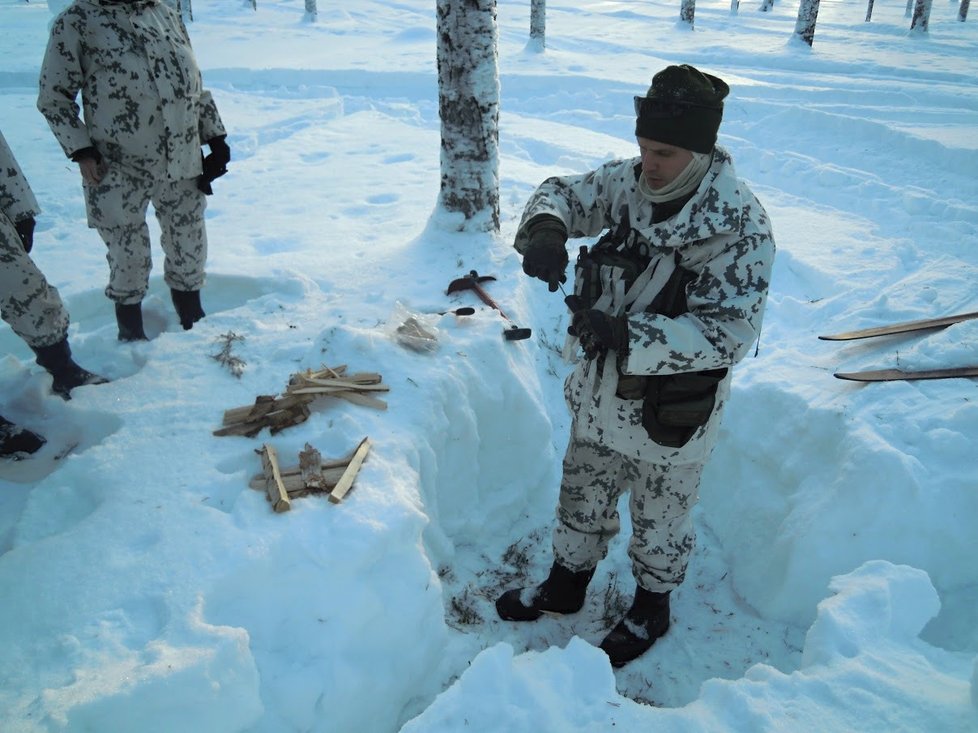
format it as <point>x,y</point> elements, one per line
<point>346,480</point>
<point>274,486</point>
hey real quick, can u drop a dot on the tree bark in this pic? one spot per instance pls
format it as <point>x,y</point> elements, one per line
<point>686,11</point>
<point>963,10</point>
<point>766,5</point>
<point>869,11</point>
<point>538,24</point>
<point>807,16</point>
<point>921,16</point>
<point>468,105</point>
<point>311,11</point>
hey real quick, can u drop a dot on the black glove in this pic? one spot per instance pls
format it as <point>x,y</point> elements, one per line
<point>25,228</point>
<point>89,153</point>
<point>599,332</point>
<point>215,164</point>
<point>546,253</point>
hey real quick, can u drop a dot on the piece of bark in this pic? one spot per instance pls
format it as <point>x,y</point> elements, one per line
<point>346,480</point>
<point>311,468</point>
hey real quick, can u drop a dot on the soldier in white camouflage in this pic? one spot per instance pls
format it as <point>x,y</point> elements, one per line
<point>28,302</point>
<point>665,303</point>
<point>145,117</point>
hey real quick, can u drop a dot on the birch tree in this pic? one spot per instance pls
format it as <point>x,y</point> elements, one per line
<point>468,106</point>
<point>687,10</point>
<point>311,11</point>
<point>963,10</point>
<point>805,25</point>
<point>538,25</point>
<point>921,16</point>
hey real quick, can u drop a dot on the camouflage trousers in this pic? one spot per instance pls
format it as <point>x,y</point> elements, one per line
<point>31,306</point>
<point>117,208</point>
<point>660,505</point>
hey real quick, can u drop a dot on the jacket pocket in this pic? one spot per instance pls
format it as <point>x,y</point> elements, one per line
<point>675,406</point>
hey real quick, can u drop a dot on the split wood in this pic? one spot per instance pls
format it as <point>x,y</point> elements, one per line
<point>313,475</point>
<point>292,407</point>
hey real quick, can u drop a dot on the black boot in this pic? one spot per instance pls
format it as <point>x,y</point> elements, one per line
<point>67,375</point>
<point>16,440</point>
<point>562,592</point>
<point>130,320</point>
<point>646,621</point>
<point>189,310</point>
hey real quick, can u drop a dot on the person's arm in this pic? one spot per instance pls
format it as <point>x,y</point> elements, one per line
<point>60,81</point>
<point>726,305</point>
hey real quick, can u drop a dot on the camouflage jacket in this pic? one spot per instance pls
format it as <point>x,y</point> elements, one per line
<point>144,104</point>
<point>722,235</point>
<point>16,198</point>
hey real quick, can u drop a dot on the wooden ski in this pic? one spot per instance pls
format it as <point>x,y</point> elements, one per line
<point>894,375</point>
<point>905,327</point>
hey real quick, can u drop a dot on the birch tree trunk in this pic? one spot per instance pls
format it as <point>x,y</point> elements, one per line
<point>311,11</point>
<point>734,6</point>
<point>869,11</point>
<point>963,10</point>
<point>805,25</point>
<point>538,24</point>
<point>686,11</point>
<point>766,5</point>
<point>468,105</point>
<point>921,16</point>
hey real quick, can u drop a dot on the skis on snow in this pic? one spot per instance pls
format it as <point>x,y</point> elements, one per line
<point>893,375</point>
<point>905,327</point>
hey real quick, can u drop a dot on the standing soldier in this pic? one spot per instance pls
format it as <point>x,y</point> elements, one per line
<point>145,115</point>
<point>31,306</point>
<point>666,303</point>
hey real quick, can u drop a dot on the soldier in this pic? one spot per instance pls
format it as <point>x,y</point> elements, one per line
<point>145,115</point>
<point>31,306</point>
<point>665,304</point>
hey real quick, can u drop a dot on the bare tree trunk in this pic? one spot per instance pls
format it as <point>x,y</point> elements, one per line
<point>805,25</point>
<point>686,11</point>
<point>311,11</point>
<point>869,11</point>
<point>538,24</point>
<point>909,10</point>
<point>734,7</point>
<point>468,105</point>
<point>921,16</point>
<point>963,10</point>
<point>766,5</point>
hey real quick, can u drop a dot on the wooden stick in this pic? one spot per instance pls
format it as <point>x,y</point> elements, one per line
<point>274,486</point>
<point>361,399</point>
<point>346,480</point>
<point>311,468</point>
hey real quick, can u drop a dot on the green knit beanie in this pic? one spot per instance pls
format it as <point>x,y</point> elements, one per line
<point>683,107</point>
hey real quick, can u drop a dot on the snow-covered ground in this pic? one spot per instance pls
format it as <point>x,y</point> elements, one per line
<point>834,587</point>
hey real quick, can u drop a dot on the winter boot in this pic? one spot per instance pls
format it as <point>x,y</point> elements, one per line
<point>562,592</point>
<point>187,303</point>
<point>16,441</point>
<point>130,320</point>
<point>646,621</point>
<point>67,375</point>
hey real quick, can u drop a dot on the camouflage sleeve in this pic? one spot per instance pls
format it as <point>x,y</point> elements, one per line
<point>726,306</point>
<point>16,198</point>
<point>209,124</point>
<point>582,202</point>
<point>60,80</point>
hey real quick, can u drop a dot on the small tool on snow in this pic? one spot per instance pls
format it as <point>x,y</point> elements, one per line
<point>472,282</point>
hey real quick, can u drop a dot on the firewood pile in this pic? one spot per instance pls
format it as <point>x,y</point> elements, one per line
<point>292,407</point>
<point>312,475</point>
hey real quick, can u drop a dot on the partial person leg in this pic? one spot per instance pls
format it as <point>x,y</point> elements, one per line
<point>180,209</point>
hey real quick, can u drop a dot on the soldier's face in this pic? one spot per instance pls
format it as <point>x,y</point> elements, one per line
<point>661,163</point>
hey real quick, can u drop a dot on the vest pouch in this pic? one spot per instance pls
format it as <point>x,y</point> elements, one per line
<point>677,405</point>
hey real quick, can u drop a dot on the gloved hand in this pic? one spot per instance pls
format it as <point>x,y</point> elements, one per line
<point>546,253</point>
<point>25,228</point>
<point>599,332</point>
<point>89,161</point>
<point>215,164</point>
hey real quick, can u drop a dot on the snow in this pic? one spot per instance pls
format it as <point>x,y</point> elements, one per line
<point>834,585</point>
